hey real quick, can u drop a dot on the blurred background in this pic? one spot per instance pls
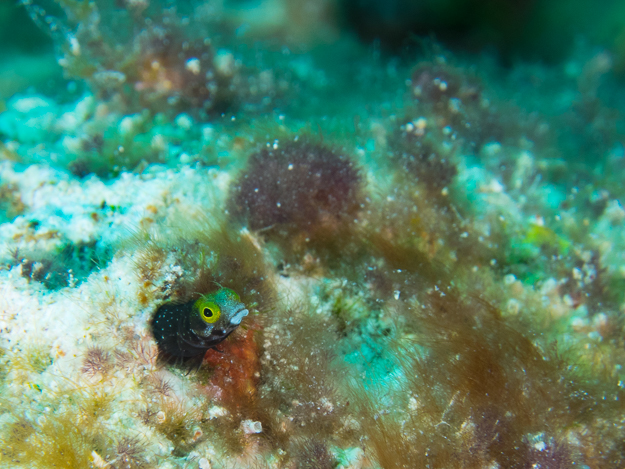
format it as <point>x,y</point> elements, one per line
<point>510,29</point>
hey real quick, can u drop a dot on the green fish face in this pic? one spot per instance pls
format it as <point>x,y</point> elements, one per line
<point>188,330</point>
<point>220,313</point>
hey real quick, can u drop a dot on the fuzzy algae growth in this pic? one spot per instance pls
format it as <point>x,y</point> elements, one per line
<point>429,250</point>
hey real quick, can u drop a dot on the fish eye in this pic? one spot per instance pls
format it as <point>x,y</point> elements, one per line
<point>209,311</point>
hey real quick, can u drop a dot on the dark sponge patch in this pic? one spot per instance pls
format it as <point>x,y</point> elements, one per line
<point>300,185</point>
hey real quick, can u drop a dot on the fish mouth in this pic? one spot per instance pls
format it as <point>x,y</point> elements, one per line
<point>238,317</point>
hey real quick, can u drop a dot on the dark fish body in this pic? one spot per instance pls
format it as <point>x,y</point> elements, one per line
<point>186,331</point>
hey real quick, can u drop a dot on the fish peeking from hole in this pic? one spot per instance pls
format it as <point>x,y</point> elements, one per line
<point>184,332</point>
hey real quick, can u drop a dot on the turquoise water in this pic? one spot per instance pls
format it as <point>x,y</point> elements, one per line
<point>420,204</point>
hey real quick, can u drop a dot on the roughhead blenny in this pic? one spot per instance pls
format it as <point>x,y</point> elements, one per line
<point>187,331</point>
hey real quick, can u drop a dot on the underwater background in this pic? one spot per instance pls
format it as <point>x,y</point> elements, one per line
<point>312,234</point>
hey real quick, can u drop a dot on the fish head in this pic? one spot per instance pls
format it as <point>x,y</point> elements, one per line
<point>219,313</point>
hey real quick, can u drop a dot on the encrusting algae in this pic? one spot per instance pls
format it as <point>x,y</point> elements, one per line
<point>227,241</point>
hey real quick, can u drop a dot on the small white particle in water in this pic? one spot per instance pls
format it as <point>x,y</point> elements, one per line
<point>225,63</point>
<point>74,45</point>
<point>250,426</point>
<point>278,204</point>
<point>509,279</point>
<point>216,411</point>
<point>513,306</point>
<point>396,294</point>
<point>290,167</point>
<point>420,125</point>
<point>193,65</point>
<point>204,463</point>
<point>326,405</point>
<point>184,121</point>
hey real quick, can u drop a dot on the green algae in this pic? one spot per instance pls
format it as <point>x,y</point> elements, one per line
<point>436,326</point>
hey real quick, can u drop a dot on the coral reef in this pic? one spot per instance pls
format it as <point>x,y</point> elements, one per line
<point>429,247</point>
